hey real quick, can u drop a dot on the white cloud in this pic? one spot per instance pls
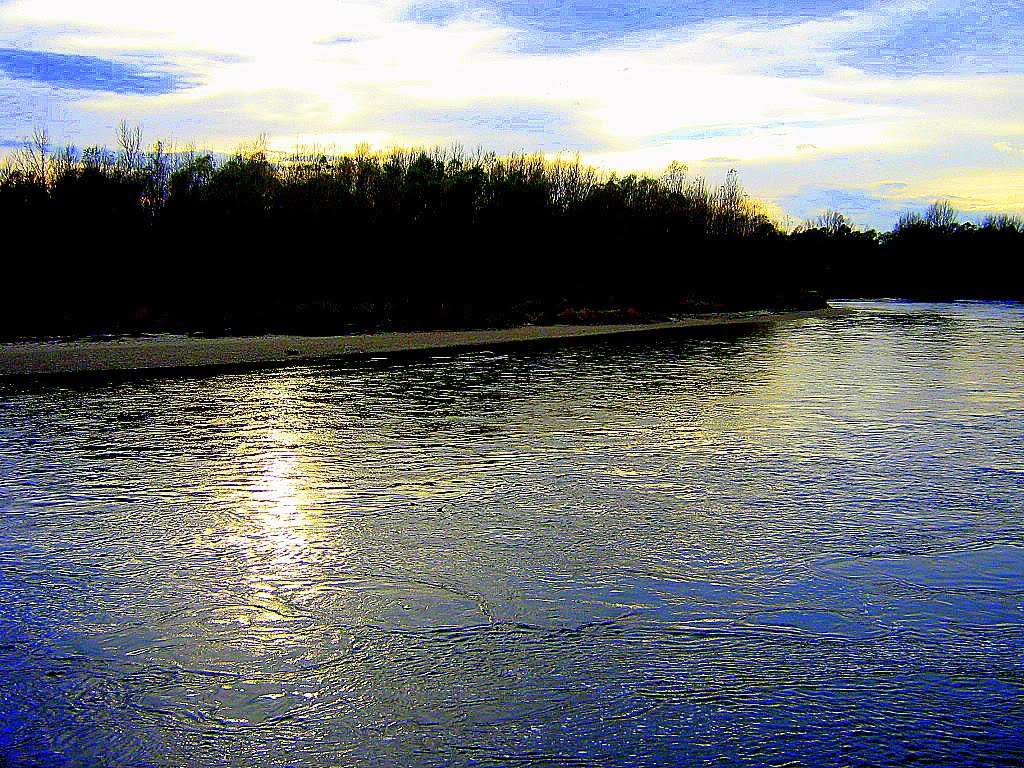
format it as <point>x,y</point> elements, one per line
<point>765,95</point>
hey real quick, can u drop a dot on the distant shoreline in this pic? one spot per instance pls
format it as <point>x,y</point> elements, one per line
<point>168,354</point>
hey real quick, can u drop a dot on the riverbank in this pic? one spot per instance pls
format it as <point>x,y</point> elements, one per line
<point>170,353</point>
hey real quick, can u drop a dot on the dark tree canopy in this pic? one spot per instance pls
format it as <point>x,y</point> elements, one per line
<point>135,240</point>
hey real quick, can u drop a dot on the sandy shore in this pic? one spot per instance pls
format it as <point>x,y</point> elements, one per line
<point>167,353</point>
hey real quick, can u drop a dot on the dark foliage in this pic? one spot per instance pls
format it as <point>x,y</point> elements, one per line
<point>932,257</point>
<point>134,240</point>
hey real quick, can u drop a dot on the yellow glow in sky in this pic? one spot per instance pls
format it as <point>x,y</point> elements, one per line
<point>753,90</point>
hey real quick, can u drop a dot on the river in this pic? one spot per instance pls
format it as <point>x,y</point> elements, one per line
<point>797,546</point>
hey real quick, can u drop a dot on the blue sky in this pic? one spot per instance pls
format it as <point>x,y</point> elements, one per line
<point>556,26</point>
<point>870,107</point>
<point>71,72</point>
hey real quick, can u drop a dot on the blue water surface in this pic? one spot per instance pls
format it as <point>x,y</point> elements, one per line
<point>799,546</point>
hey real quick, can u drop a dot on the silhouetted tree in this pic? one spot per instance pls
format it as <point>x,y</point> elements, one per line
<point>412,237</point>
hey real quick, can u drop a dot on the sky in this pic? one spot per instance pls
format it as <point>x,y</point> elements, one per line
<point>871,108</point>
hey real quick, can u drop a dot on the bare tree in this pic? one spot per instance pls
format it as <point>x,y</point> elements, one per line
<point>33,157</point>
<point>129,138</point>
<point>909,221</point>
<point>158,175</point>
<point>674,177</point>
<point>728,205</point>
<point>63,162</point>
<point>1005,221</point>
<point>833,222</point>
<point>942,215</point>
<point>96,158</point>
<point>254,150</point>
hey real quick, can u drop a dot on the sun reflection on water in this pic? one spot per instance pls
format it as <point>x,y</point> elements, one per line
<point>271,527</point>
<point>279,504</point>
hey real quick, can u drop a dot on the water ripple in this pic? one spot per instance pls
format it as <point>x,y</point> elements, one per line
<point>800,546</point>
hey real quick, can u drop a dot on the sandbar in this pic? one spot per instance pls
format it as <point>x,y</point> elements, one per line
<point>169,353</point>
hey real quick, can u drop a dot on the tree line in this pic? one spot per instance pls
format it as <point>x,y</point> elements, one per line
<point>931,256</point>
<point>155,238</point>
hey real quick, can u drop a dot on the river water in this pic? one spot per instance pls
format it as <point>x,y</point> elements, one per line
<point>797,546</point>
